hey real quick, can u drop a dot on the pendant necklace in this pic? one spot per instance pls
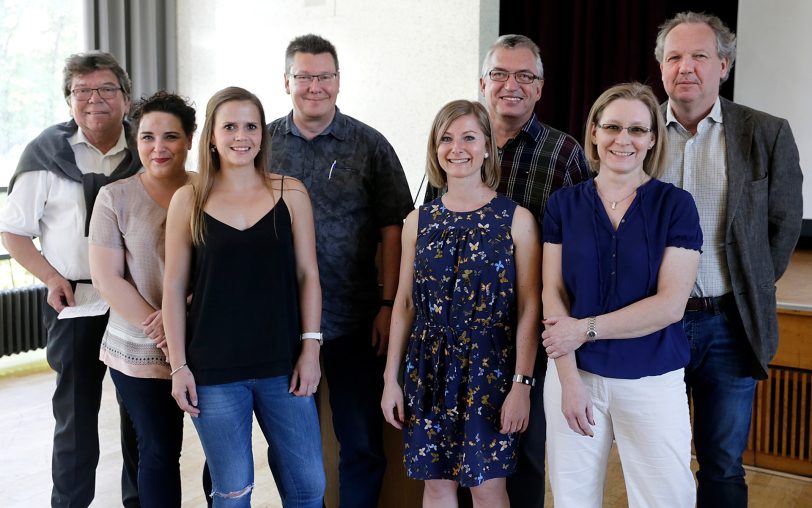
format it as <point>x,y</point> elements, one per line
<point>613,204</point>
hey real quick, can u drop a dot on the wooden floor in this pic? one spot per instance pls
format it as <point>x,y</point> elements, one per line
<point>26,426</point>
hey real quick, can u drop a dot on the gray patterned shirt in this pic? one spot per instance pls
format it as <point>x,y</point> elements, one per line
<point>357,186</point>
<point>698,164</point>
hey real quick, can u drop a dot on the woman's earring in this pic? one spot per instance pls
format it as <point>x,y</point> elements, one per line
<point>486,155</point>
<point>213,149</point>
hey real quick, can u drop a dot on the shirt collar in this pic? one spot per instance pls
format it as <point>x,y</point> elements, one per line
<point>337,128</point>
<point>715,113</point>
<point>533,128</point>
<point>79,137</point>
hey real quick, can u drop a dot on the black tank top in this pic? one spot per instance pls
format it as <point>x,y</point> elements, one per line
<point>243,322</point>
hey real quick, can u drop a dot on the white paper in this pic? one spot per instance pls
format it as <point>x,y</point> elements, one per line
<point>88,303</point>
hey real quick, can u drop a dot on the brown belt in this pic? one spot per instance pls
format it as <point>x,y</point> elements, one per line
<point>705,303</point>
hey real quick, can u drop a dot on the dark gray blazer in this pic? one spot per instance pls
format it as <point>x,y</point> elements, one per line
<point>764,214</point>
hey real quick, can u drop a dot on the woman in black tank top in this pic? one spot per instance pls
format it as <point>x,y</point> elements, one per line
<point>242,243</point>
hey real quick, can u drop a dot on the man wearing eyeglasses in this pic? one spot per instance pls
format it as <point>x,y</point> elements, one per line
<point>51,196</point>
<point>742,167</point>
<point>535,160</point>
<point>360,197</point>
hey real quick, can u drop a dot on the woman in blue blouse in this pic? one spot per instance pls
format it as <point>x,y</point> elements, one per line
<point>620,257</point>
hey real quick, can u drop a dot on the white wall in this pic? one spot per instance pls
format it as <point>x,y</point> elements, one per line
<point>400,61</point>
<point>774,69</point>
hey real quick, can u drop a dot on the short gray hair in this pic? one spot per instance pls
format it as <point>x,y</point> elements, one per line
<point>725,39</point>
<point>511,41</point>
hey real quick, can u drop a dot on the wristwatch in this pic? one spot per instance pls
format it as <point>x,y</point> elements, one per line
<point>591,334</point>
<point>525,380</point>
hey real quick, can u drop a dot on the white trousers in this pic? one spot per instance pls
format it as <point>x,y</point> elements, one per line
<point>650,421</point>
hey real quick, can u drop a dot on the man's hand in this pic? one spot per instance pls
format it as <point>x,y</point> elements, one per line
<point>60,293</point>
<point>380,330</point>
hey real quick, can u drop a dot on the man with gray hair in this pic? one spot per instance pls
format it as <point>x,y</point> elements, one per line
<point>535,161</point>
<point>743,170</point>
<point>51,196</point>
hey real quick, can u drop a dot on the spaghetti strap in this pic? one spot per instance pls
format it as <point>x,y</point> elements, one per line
<point>282,190</point>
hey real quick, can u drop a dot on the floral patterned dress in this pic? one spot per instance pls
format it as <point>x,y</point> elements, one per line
<point>461,353</point>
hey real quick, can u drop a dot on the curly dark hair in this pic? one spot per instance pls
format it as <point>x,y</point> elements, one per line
<point>165,102</point>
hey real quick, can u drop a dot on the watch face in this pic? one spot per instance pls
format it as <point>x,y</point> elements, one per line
<point>591,334</point>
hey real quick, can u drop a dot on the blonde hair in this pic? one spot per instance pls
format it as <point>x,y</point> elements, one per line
<point>653,164</point>
<point>445,117</point>
<point>209,160</point>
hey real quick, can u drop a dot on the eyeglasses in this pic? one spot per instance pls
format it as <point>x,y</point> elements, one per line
<point>522,77</point>
<point>105,92</point>
<point>306,79</point>
<point>634,131</point>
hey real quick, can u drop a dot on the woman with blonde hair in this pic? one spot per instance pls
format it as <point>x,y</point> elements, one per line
<point>466,317</point>
<point>242,243</point>
<point>620,257</point>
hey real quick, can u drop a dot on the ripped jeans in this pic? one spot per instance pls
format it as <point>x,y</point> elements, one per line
<point>290,425</point>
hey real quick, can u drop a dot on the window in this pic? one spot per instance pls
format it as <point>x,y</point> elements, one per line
<point>35,38</point>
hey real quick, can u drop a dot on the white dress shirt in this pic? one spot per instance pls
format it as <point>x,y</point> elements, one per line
<point>45,205</point>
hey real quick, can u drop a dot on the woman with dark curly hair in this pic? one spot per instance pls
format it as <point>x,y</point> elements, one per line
<point>127,232</point>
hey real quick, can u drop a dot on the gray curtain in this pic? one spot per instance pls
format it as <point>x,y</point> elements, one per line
<point>141,34</point>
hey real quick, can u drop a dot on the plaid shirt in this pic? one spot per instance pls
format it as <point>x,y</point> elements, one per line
<point>537,162</point>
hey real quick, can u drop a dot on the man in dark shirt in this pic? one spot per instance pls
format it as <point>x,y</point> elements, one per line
<point>536,160</point>
<point>360,197</point>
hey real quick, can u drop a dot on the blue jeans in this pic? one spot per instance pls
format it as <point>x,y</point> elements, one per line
<point>158,426</point>
<point>355,376</point>
<point>290,425</point>
<point>719,380</point>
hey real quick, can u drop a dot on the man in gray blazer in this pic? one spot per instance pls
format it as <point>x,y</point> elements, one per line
<point>742,167</point>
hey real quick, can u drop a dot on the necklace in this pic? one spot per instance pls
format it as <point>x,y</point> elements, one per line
<point>613,204</point>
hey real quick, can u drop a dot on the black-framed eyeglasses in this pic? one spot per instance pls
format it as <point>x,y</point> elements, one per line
<point>105,92</point>
<point>522,77</point>
<point>306,79</point>
<point>634,130</point>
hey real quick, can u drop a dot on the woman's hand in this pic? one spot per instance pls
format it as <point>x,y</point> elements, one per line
<point>153,328</point>
<point>184,390</point>
<point>392,404</point>
<point>576,404</point>
<point>306,374</point>
<point>515,413</point>
<point>562,335</point>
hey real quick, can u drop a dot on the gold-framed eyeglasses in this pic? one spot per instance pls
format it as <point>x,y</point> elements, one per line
<point>521,77</point>
<point>634,131</point>
<point>306,79</point>
<point>105,92</point>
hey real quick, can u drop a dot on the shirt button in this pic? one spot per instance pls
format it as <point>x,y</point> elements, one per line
<point>613,273</point>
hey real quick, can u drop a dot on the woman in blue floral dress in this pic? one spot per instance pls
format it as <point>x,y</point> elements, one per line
<point>466,317</point>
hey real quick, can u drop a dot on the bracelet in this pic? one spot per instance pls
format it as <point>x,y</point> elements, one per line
<point>313,336</point>
<point>525,380</point>
<point>176,370</point>
<point>387,303</point>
